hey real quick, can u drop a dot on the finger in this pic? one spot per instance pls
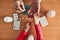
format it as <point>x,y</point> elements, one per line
<point>18,11</point>
<point>35,15</point>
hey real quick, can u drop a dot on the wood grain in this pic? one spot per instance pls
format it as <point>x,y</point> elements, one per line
<point>50,32</point>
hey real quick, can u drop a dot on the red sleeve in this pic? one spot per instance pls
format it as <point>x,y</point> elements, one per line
<point>38,32</point>
<point>22,35</point>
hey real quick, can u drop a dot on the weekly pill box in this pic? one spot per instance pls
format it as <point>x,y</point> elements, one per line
<point>16,25</point>
<point>43,21</point>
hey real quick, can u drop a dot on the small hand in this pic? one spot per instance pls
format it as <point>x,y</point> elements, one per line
<point>36,18</point>
<point>27,27</point>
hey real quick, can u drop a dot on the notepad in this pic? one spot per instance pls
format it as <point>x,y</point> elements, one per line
<point>16,25</point>
<point>43,21</point>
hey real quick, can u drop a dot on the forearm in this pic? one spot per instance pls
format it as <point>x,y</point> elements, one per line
<point>38,8</point>
<point>38,32</point>
<point>22,35</point>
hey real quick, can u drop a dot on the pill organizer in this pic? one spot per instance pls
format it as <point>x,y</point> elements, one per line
<point>15,16</point>
<point>43,21</point>
<point>16,25</point>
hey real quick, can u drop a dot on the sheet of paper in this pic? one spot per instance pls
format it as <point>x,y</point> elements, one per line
<point>16,25</point>
<point>43,21</point>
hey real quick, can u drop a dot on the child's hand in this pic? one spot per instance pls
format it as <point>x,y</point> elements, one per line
<point>27,27</point>
<point>36,18</point>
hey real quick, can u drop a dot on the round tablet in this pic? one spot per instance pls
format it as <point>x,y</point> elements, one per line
<point>8,19</point>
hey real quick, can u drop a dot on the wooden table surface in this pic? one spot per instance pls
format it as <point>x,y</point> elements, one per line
<point>50,32</point>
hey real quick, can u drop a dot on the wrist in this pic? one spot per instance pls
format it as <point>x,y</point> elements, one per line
<point>26,30</point>
<point>36,22</point>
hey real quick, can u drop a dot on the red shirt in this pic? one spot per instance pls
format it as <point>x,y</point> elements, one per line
<point>38,33</point>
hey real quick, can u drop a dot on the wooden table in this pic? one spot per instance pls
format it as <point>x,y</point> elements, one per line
<point>50,32</point>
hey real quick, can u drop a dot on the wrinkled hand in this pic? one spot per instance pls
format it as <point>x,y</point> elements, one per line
<point>18,3</point>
